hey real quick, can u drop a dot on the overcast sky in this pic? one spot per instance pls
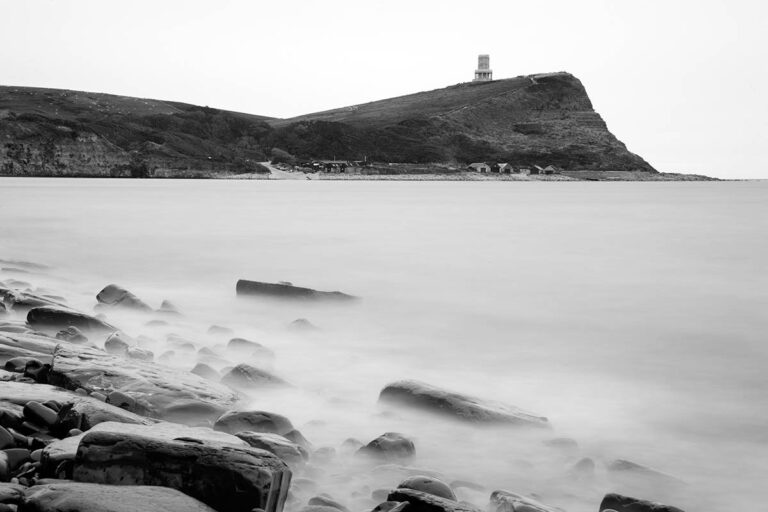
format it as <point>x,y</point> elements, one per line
<point>683,83</point>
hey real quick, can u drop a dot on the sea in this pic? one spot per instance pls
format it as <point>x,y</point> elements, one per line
<point>631,314</point>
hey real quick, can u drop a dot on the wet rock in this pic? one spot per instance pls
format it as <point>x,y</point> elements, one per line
<point>19,364</point>
<point>287,291</point>
<point>326,501</point>
<point>117,296</point>
<point>6,439</point>
<point>87,497</point>
<point>224,477</point>
<point>389,446</point>
<point>53,319</point>
<point>428,485</point>
<point>245,376</point>
<point>429,398</point>
<point>72,335</point>
<point>621,503</point>
<point>505,501</point>
<point>153,387</point>
<point>39,414</point>
<point>423,502</point>
<point>206,372</point>
<point>289,452</point>
<point>253,421</point>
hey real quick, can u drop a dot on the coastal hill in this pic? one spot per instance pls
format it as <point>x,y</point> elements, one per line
<point>544,119</point>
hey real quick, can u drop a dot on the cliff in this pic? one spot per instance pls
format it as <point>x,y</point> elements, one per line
<point>544,119</point>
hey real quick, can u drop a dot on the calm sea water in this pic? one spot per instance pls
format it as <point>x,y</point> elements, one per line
<point>631,314</point>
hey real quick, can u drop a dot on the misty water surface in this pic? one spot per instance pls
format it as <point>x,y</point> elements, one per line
<point>632,315</point>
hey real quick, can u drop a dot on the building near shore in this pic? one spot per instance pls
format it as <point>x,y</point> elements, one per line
<point>483,73</point>
<point>479,167</point>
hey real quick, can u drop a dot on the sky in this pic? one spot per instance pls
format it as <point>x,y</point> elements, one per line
<point>681,82</point>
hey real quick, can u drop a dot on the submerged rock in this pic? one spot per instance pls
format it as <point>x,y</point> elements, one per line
<point>246,376</point>
<point>253,421</point>
<point>117,296</point>
<point>153,387</point>
<point>419,501</point>
<point>86,497</point>
<point>505,501</point>
<point>206,372</point>
<point>621,503</point>
<point>51,318</point>
<point>429,485</point>
<point>287,291</point>
<point>430,398</point>
<point>389,446</point>
<point>250,348</point>
<point>633,473</point>
<point>235,479</point>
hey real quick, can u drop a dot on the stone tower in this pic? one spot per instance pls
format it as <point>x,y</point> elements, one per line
<point>483,73</point>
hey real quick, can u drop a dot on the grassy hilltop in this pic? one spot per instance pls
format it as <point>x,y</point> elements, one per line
<point>542,120</point>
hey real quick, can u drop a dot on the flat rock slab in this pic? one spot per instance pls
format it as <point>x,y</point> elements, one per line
<point>84,497</point>
<point>230,478</point>
<point>154,387</point>
<point>287,291</point>
<point>428,398</point>
<point>53,319</point>
<point>419,501</point>
<point>621,503</point>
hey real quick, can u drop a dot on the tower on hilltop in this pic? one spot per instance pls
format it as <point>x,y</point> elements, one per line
<point>483,73</point>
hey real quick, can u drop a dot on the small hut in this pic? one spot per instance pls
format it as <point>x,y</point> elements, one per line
<point>479,167</point>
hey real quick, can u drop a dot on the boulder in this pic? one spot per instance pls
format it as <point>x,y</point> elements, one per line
<point>53,319</point>
<point>287,291</point>
<point>432,399</point>
<point>419,501</point>
<point>11,493</point>
<point>192,412</point>
<point>169,308</point>
<point>290,452</point>
<point>389,446</point>
<point>19,364</point>
<point>253,421</point>
<point>72,335</point>
<point>117,296</point>
<point>325,501</point>
<point>429,485</point>
<point>152,386</point>
<point>621,503</point>
<point>86,497</point>
<point>225,477</point>
<point>505,501</point>
<point>206,372</point>
<point>245,376</point>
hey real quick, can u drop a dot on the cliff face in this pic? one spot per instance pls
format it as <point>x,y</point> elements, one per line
<point>533,120</point>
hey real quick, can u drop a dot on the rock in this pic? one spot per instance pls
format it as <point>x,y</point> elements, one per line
<point>350,445</point>
<point>19,364</point>
<point>423,502</point>
<point>429,398</point>
<point>119,399</point>
<point>153,387</point>
<point>116,296</point>
<point>192,412</point>
<point>117,343</point>
<point>428,485</point>
<point>72,335</point>
<point>218,330</point>
<point>631,472</point>
<point>289,452</point>
<point>298,438</point>
<point>243,346</point>
<point>505,501</point>
<point>39,414</point>
<point>140,354</point>
<point>565,443</point>
<point>583,469</point>
<point>16,457</point>
<point>325,501</point>
<point>6,439</point>
<point>253,421</point>
<point>287,291</point>
<point>391,506</point>
<point>302,324</point>
<point>324,454</point>
<point>245,376</point>
<point>621,503</point>
<point>11,493</point>
<point>206,372</point>
<point>458,484</point>
<point>52,319</point>
<point>224,477</point>
<point>86,497</point>
<point>169,308</point>
<point>390,446</point>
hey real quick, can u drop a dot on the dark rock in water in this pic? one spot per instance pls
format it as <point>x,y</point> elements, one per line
<point>286,291</point>
<point>117,296</point>
<point>631,472</point>
<point>505,501</point>
<point>429,398</point>
<point>583,469</point>
<point>390,506</point>
<point>246,376</point>
<point>423,502</point>
<point>83,497</point>
<point>390,446</point>
<point>428,485</point>
<point>218,330</point>
<point>225,477</point>
<point>302,324</point>
<point>169,308</point>
<point>6,439</point>
<point>72,335</point>
<point>50,318</point>
<point>325,501</point>
<point>206,372</point>
<point>253,421</point>
<point>288,451</point>
<point>621,503</point>
<point>154,387</point>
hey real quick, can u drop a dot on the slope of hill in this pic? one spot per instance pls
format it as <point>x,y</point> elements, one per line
<point>533,120</point>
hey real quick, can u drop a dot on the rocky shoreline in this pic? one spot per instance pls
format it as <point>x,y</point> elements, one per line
<point>95,419</point>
